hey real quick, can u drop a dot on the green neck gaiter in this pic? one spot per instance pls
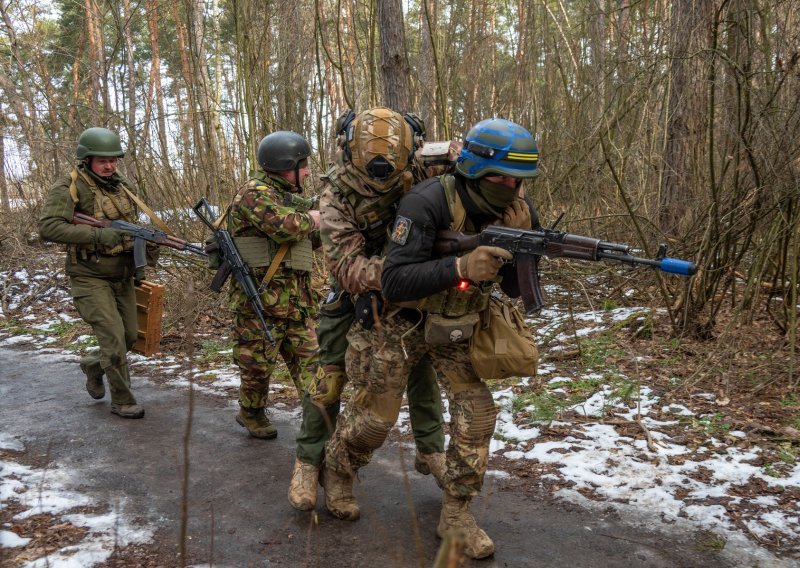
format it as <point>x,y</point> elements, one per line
<point>491,198</point>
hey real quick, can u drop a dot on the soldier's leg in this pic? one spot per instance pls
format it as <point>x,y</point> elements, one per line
<point>255,356</point>
<point>425,410</point>
<point>473,414</point>
<point>379,371</point>
<point>320,402</point>
<point>96,302</point>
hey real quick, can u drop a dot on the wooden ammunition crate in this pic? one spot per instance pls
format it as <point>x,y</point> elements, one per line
<point>150,309</point>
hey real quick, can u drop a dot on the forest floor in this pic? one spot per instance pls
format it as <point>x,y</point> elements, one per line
<point>622,414</point>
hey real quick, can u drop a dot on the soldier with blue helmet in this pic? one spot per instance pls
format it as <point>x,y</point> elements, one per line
<point>432,304</point>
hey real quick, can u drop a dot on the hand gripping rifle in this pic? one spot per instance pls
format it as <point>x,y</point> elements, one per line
<point>141,236</point>
<point>527,245</point>
<point>231,263</point>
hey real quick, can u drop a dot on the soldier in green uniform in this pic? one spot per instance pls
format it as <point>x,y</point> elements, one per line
<point>372,170</point>
<point>432,306</point>
<point>99,262</point>
<point>274,236</point>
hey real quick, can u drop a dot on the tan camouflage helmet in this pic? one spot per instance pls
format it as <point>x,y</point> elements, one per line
<point>378,143</point>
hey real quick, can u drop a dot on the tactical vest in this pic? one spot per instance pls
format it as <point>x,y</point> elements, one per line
<point>107,205</point>
<point>374,215</point>
<point>258,252</point>
<point>454,302</point>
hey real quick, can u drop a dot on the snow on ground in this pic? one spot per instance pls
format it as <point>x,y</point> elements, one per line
<point>666,482</point>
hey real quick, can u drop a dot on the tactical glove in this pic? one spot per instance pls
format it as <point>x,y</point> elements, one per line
<point>483,263</point>
<point>138,276</point>
<point>330,386</point>
<point>109,237</point>
<point>517,216</point>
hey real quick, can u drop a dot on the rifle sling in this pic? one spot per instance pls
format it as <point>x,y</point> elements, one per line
<point>276,262</point>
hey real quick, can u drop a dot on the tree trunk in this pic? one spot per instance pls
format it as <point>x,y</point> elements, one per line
<point>394,63</point>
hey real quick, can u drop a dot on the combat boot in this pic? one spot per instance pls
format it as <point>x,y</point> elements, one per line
<point>456,521</point>
<point>256,422</point>
<point>94,381</point>
<point>339,499</point>
<point>303,488</point>
<point>430,463</point>
<point>127,410</point>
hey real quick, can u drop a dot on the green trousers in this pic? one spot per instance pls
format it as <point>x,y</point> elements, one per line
<point>424,397</point>
<point>109,306</point>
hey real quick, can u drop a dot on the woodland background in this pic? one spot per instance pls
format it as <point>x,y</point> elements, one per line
<point>672,121</point>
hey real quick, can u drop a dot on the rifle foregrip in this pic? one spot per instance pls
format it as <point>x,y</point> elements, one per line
<point>677,266</point>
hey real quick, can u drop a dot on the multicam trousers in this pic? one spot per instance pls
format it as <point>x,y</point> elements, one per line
<point>379,369</point>
<point>295,341</point>
<point>424,398</point>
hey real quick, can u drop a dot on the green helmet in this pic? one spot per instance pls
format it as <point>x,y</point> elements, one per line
<point>98,142</point>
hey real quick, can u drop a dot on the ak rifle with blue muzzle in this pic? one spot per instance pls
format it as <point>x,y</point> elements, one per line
<point>527,246</point>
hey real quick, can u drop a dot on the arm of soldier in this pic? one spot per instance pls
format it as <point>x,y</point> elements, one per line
<point>411,270</point>
<point>278,222</point>
<point>55,223</point>
<point>344,247</point>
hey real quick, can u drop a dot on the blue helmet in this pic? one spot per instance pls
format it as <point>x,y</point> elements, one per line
<point>501,147</point>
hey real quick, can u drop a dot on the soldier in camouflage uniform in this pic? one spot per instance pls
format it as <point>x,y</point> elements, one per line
<point>433,305</point>
<point>270,228</point>
<point>358,205</point>
<point>99,262</point>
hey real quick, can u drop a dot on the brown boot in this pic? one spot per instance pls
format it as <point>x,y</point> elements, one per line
<point>127,410</point>
<point>303,488</point>
<point>256,422</point>
<point>94,381</point>
<point>339,499</point>
<point>430,463</point>
<point>456,521</point>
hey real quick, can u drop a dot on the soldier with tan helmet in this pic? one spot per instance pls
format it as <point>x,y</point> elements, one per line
<point>377,150</point>
<point>99,262</point>
<point>432,306</point>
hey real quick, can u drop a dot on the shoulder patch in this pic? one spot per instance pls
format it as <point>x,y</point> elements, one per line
<point>402,226</point>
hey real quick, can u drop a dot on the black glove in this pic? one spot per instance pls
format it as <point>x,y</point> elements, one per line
<point>138,276</point>
<point>367,310</point>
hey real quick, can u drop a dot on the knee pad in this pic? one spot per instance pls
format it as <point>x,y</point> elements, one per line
<point>479,423</point>
<point>369,433</point>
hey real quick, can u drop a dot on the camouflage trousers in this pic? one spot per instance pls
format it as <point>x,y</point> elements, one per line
<point>424,398</point>
<point>109,306</point>
<point>379,369</point>
<point>295,341</point>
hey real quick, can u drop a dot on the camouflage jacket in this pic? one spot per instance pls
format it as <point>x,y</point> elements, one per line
<point>258,211</point>
<point>353,255</point>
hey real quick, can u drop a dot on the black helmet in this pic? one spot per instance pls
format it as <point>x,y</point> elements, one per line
<point>98,142</point>
<point>282,151</point>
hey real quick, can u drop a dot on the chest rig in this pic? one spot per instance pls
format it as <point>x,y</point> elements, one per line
<point>259,252</point>
<point>456,302</point>
<point>106,204</point>
<point>374,215</point>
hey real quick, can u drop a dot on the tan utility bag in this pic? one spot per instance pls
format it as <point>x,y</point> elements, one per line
<point>502,345</point>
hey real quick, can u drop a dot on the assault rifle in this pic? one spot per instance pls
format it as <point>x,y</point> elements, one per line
<point>231,263</point>
<point>141,236</point>
<point>528,245</point>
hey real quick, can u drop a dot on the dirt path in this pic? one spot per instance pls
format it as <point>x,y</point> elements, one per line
<point>238,514</point>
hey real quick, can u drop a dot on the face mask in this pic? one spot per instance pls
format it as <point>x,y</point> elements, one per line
<point>498,196</point>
